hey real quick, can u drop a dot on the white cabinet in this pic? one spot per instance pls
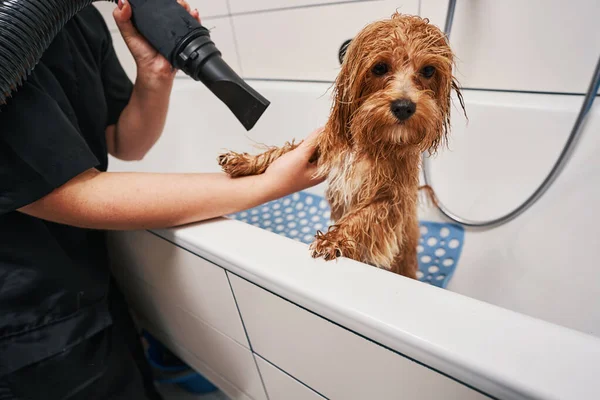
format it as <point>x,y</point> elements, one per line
<point>227,358</point>
<point>332,360</point>
<point>188,302</point>
<point>281,386</point>
<point>304,43</point>
<point>536,45</point>
<point>232,391</point>
<point>178,277</point>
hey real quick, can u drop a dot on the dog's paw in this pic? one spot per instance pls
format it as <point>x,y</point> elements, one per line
<point>235,164</point>
<point>325,247</point>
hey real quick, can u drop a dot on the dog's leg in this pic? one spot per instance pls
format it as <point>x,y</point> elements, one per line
<point>406,262</point>
<point>244,164</point>
<point>370,235</point>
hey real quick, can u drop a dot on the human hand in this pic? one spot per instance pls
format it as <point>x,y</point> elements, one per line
<point>150,63</point>
<point>294,171</point>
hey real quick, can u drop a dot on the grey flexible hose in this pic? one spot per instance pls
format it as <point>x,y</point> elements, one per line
<point>27,27</point>
<point>558,166</point>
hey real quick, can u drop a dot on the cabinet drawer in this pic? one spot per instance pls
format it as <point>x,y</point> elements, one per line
<point>226,357</point>
<point>179,277</point>
<point>332,360</point>
<point>541,45</point>
<point>243,6</point>
<point>281,386</point>
<point>232,391</point>
<point>203,346</point>
<point>304,43</point>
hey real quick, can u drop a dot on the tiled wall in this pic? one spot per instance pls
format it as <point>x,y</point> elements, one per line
<point>538,46</point>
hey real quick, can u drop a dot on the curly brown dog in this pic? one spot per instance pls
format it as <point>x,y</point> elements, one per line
<point>392,102</point>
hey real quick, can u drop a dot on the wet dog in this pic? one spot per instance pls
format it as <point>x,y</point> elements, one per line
<point>392,101</point>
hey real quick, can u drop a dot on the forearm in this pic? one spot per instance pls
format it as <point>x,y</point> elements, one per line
<point>142,122</point>
<point>124,201</point>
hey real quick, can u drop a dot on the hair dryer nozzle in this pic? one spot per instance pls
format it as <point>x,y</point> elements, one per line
<point>187,45</point>
<point>200,59</point>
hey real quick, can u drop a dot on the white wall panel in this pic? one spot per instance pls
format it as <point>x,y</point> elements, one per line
<point>304,43</point>
<point>536,45</point>
<point>239,6</point>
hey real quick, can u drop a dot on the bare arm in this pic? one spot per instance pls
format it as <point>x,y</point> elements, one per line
<point>142,122</point>
<point>107,200</point>
<point>123,201</point>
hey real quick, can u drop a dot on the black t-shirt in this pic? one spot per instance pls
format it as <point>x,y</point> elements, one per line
<point>54,278</point>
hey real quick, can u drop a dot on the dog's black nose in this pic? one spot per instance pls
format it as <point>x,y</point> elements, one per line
<point>403,109</point>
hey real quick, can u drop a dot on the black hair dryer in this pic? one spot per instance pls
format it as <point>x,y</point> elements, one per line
<point>187,45</point>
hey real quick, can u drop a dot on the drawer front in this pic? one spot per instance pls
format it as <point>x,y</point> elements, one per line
<point>244,6</point>
<point>541,45</point>
<point>181,278</point>
<point>281,386</point>
<point>204,346</point>
<point>304,43</point>
<point>334,361</point>
<point>226,357</point>
<point>231,391</point>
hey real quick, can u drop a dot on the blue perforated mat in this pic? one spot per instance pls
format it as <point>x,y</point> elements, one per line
<point>300,215</point>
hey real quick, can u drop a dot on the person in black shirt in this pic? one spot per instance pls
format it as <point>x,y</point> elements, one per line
<point>65,331</point>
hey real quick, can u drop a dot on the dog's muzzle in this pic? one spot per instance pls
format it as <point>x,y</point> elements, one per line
<point>403,109</point>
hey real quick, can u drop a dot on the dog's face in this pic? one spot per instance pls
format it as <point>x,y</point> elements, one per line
<point>395,84</point>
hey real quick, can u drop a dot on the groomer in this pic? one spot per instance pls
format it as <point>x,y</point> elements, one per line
<point>65,331</point>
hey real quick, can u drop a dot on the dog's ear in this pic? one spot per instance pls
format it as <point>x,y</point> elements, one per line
<point>447,84</point>
<point>348,89</point>
<point>456,88</point>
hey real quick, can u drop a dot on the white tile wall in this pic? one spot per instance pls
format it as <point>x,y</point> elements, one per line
<point>244,6</point>
<point>304,43</point>
<point>210,8</point>
<point>535,45</point>
<point>547,46</point>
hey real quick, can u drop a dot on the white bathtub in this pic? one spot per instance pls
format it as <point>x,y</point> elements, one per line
<point>253,312</point>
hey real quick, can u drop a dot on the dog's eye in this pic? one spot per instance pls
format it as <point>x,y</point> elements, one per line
<point>380,69</point>
<point>428,71</point>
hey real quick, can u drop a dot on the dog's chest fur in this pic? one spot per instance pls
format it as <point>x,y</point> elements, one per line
<point>345,180</point>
